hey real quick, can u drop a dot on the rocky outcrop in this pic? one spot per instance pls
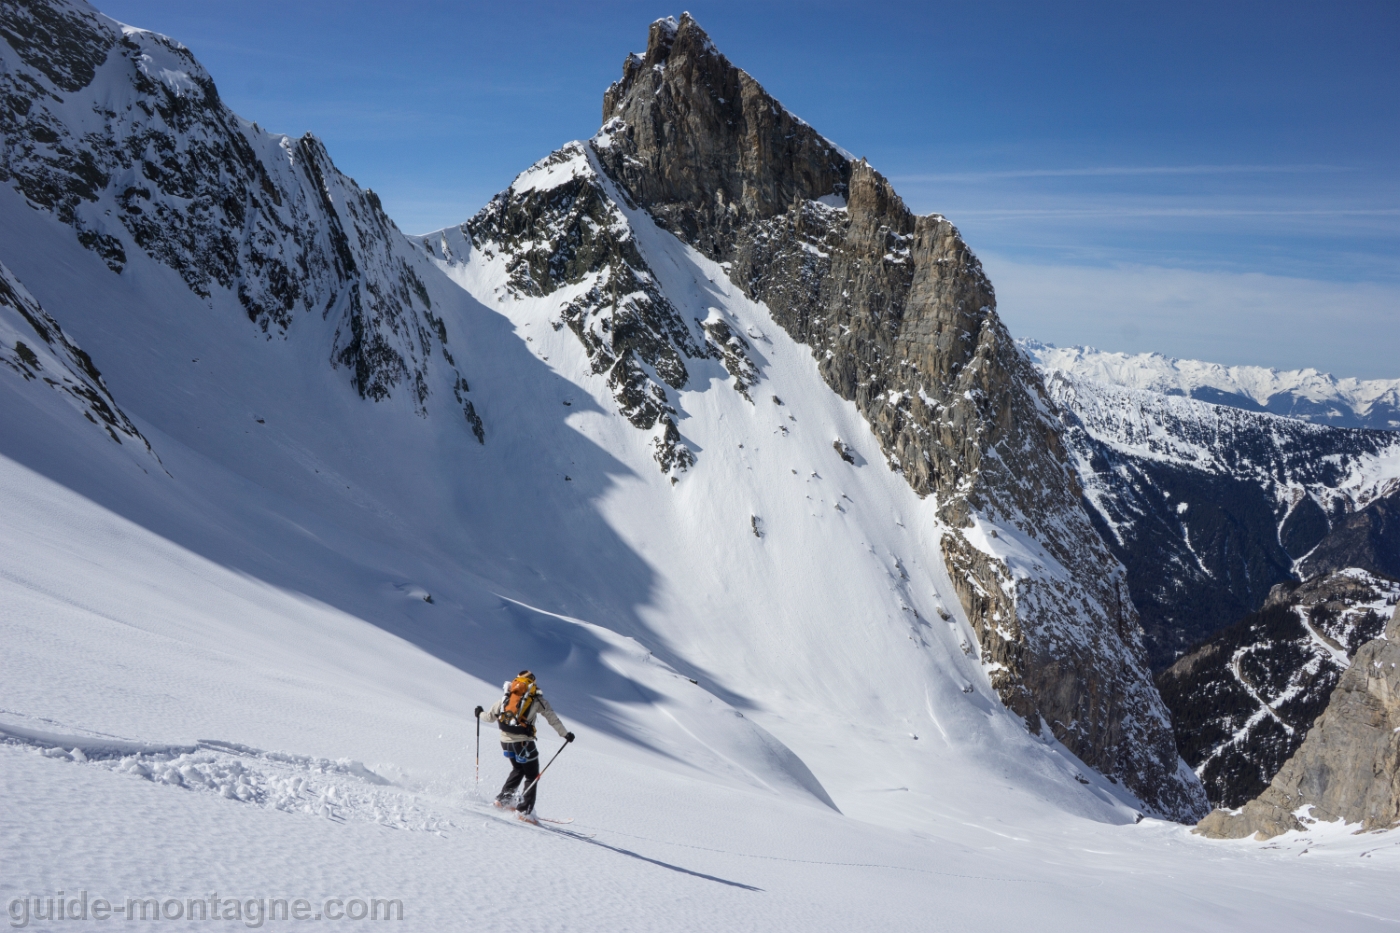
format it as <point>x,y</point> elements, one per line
<point>704,147</point>
<point>901,320</point>
<point>1209,507</point>
<point>1348,769</point>
<point>557,234</point>
<point>1368,537</point>
<point>121,134</point>
<point>33,346</point>
<point>1243,702</point>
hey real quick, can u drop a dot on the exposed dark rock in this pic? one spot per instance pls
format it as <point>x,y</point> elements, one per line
<point>66,44</point>
<point>56,361</point>
<point>1368,538</point>
<point>733,351</point>
<point>1243,702</point>
<point>1348,768</point>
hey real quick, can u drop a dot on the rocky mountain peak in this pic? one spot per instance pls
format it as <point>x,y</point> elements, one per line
<point>715,149</point>
<point>902,321</point>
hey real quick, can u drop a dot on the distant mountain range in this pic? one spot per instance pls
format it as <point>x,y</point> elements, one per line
<point>1303,394</point>
<point>1210,506</point>
<point>1263,551</point>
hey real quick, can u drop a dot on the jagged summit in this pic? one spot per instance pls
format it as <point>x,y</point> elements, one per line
<point>716,150</point>
<point>902,321</point>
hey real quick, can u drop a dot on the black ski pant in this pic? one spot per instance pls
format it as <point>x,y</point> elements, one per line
<point>524,766</point>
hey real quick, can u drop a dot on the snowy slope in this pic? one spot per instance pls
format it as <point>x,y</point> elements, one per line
<point>1304,394</point>
<point>1343,469</point>
<point>263,634</point>
<point>246,667</point>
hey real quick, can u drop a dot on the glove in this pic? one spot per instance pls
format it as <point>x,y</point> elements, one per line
<point>478,711</point>
<point>569,737</point>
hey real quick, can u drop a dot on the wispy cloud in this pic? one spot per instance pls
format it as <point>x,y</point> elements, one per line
<point>1347,328</point>
<point>1104,171</point>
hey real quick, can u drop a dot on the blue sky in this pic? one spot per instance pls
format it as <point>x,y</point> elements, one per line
<point>1218,181</point>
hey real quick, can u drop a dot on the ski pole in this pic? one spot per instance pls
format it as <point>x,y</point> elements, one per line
<point>543,770</point>
<point>477,717</point>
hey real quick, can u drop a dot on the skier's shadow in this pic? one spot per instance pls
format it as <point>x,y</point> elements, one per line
<point>636,855</point>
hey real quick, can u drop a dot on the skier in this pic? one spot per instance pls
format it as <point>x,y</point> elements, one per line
<point>515,713</point>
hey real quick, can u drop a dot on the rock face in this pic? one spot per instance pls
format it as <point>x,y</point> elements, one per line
<point>120,133</point>
<point>1209,507</point>
<point>35,348</point>
<point>1348,768</point>
<point>557,231</point>
<point>1368,537</point>
<point>1243,702</point>
<point>901,320</point>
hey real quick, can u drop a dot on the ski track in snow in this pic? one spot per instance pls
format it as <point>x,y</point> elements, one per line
<point>337,790</point>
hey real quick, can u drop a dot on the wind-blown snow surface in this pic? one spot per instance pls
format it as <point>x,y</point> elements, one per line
<point>242,661</point>
<point>1305,394</point>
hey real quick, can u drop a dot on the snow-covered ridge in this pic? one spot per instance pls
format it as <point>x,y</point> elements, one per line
<point>120,134</point>
<point>1346,467</point>
<point>1302,394</point>
<point>35,348</point>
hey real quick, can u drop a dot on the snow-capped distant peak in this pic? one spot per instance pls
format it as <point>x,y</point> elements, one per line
<point>1302,394</point>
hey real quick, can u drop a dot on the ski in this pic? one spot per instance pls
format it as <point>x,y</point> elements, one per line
<point>545,819</point>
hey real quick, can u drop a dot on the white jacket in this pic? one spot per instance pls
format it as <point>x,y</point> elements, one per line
<point>537,706</point>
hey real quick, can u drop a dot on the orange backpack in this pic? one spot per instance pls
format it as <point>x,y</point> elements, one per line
<point>520,696</point>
